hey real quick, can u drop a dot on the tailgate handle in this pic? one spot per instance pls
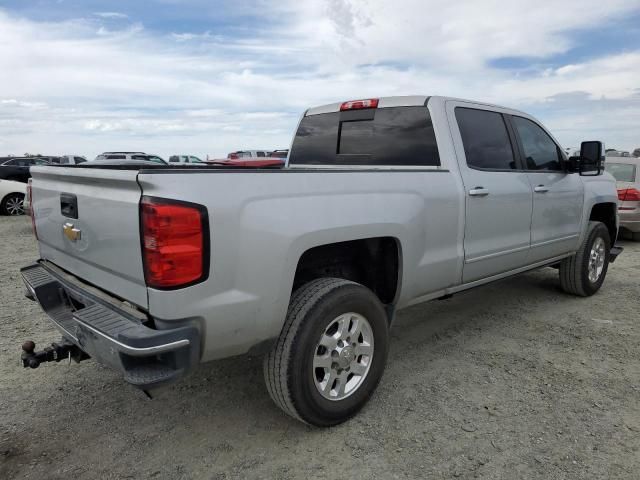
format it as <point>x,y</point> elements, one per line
<point>69,205</point>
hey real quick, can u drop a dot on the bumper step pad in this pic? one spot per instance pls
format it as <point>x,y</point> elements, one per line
<point>147,357</point>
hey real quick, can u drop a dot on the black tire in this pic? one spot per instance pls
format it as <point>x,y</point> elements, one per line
<point>288,368</point>
<point>574,271</point>
<point>635,237</point>
<point>6,206</point>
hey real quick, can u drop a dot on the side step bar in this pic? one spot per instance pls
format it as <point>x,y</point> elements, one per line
<point>614,252</point>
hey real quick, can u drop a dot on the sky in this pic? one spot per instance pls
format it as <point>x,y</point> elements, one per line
<point>207,77</point>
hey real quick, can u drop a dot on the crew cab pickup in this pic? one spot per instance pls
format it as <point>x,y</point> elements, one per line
<point>382,203</point>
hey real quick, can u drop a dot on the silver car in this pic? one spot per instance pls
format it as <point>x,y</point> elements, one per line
<point>626,171</point>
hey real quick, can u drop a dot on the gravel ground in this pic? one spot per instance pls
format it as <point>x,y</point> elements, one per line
<point>513,380</point>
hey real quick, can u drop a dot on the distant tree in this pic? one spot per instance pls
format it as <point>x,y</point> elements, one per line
<point>610,150</point>
<point>636,152</point>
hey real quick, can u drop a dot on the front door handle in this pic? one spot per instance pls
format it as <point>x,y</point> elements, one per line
<point>541,189</point>
<point>478,192</point>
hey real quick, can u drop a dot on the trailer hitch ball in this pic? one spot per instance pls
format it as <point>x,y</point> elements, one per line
<point>28,357</point>
<point>55,353</point>
<point>28,347</point>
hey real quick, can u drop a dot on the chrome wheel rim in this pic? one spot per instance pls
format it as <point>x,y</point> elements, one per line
<point>596,259</point>
<point>343,356</point>
<point>14,206</point>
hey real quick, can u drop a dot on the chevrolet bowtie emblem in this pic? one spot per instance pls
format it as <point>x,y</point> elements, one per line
<point>70,232</point>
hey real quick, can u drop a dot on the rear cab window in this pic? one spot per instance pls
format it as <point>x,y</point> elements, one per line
<point>392,136</point>
<point>485,138</point>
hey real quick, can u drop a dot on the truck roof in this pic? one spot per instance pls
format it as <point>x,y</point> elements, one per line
<point>400,101</point>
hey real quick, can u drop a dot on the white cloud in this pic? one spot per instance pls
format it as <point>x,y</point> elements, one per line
<point>116,15</point>
<point>203,92</point>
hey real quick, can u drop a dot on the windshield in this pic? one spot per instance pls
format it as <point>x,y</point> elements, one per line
<point>622,172</point>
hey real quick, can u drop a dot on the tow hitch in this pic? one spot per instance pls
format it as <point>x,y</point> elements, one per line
<point>55,353</point>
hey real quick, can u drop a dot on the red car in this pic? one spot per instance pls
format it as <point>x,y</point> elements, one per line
<point>248,162</point>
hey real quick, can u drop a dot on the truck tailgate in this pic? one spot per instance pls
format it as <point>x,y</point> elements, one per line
<point>87,223</point>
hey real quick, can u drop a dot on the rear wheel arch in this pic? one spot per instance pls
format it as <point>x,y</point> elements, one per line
<point>374,262</point>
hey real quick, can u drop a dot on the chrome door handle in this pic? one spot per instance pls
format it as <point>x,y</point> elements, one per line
<point>541,189</point>
<point>478,192</point>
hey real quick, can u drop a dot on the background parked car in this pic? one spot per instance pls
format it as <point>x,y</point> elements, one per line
<point>17,169</point>
<point>185,159</point>
<point>69,160</point>
<point>279,153</point>
<point>248,154</point>
<point>131,156</point>
<point>249,162</point>
<point>626,171</point>
<point>12,197</point>
<point>617,153</point>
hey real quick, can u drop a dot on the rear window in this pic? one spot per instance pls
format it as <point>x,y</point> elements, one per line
<point>115,157</point>
<point>622,172</point>
<point>396,136</point>
<point>485,139</point>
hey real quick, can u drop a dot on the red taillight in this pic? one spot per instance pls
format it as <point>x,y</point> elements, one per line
<point>174,242</point>
<point>629,195</point>
<point>359,104</point>
<point>29,200</point>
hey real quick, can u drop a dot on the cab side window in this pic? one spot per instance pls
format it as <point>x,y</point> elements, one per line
<point>540,151</point>
<point>485,138</point>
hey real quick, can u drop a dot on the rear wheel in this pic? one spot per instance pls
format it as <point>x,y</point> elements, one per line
<point>584,273</point>
<point>12,204</point>
<point>635,236</point>
<point>331,353</point>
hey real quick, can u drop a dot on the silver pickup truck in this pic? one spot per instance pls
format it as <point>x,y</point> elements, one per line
<point>382,203</point>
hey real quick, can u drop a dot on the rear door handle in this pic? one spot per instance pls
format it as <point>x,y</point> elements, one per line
<point>541,189</point>
<point>478,192</point>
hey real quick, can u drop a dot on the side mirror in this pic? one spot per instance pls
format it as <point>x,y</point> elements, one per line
<point>591,158</point>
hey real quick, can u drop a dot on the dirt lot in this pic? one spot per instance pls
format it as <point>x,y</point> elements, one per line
<point>513,380</point>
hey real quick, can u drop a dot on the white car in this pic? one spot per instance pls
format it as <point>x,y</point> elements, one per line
<point>70,160</point>
<point>141,156</point>
<point>185,160</point>
<point>12,197</point>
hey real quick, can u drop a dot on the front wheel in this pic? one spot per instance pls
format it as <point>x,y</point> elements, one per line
<point>331,353</point>
<point>12,204</point>
<point>584,273</point>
